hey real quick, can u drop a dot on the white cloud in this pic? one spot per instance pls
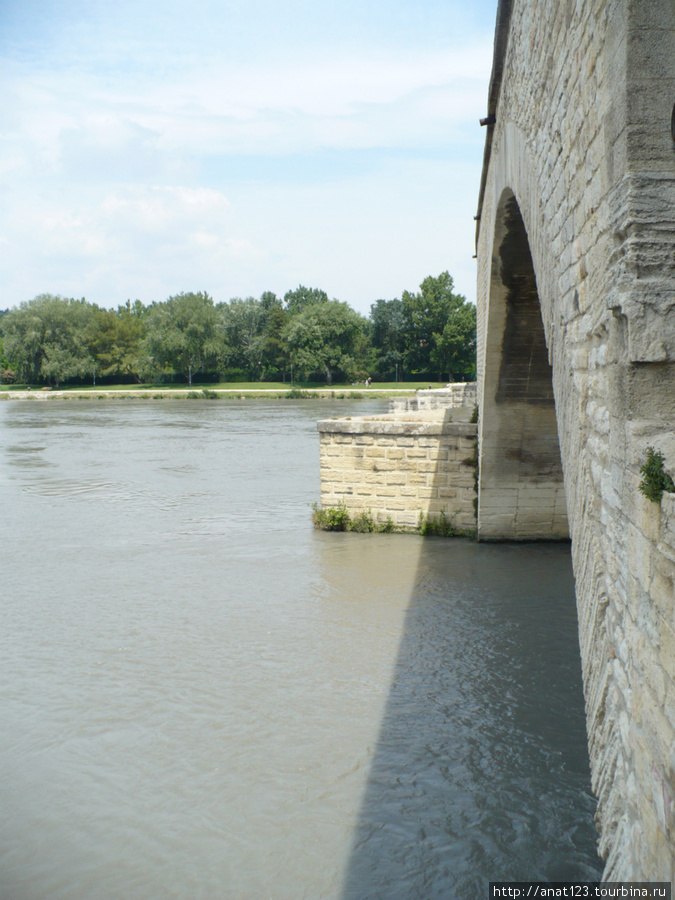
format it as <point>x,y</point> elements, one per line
<point>127,242</point>
<point>329,86</point>
<point>106,194</point>
<point>366,237</point>
<point>338,102</point>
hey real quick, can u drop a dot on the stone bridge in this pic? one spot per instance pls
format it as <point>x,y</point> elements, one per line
<point>576,319</point>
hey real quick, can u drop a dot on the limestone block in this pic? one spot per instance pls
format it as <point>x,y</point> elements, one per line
<point>408,491</point>
<point>417,480</point>
<point>669,711</point>
<point>667,649</point>
<point>662,591</point>
<point>384,465</point>
<point>416,453</point>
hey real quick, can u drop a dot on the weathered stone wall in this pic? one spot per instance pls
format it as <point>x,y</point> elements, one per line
<point>576,267</point>
<point>399,466</point>
<point>452,396</point>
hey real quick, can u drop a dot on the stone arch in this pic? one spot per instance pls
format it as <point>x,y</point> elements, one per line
<point>521,491</point>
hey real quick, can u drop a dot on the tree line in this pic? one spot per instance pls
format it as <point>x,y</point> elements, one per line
<point>304,335</point>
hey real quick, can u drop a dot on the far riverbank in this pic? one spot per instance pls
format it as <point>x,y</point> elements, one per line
<point>184,393</point>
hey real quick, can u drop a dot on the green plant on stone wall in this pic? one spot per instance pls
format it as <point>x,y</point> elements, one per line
<point>363,523</point>
<point>441,527</point>
<point>655,480</point>
<point>472,461</point>
<point>332,518</point>
<point>337,518</point>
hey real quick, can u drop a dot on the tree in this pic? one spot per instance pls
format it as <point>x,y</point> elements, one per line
<point>269,301</point>
<point>117,341</point>
<point>389,334</point>
<point>275,348</point>
<point>7,374</point>
<point>302,297</point>
<point>244,322</point>
<point>455,350</point>
<point>185,334</point>
<point>47,339</point>
<point>254,332</point>
<point>426,315</point>
<point>326,337</point>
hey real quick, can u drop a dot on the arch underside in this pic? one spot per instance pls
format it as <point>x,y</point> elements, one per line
<point>521,491</point>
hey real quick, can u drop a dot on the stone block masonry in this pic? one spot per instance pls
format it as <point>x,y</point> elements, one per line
<point>398,466</point>
<point>452,396</point>
<point>576,367</point>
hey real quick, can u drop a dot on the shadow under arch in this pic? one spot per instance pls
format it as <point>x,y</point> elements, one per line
<point>480,772</point>
<point>521,492</point>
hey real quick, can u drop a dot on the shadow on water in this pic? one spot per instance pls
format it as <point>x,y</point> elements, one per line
<point>481,769</point>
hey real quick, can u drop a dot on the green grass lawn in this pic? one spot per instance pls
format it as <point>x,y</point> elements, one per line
<point>276,387</point>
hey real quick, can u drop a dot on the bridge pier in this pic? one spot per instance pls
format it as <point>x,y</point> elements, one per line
<point>576,368</point>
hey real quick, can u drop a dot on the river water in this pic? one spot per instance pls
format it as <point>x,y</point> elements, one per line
<point>202,697</point>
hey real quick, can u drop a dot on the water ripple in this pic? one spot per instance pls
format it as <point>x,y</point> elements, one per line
<point>111,492</point>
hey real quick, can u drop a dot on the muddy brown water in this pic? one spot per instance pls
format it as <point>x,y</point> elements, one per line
<point>202,697</point>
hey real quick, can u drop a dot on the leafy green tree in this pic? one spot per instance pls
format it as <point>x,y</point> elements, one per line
<point>426,315</point>
<point>185,334</point>
<point>302,297</point>
<point>3,358</point>
<point>254,331</point>
<point>7,374</point>
<point>117,341</point>
<point>389,335</point>
<point>269,301</point>
<point>275,350</point>
<point>326,337</point>
<point>48,339</point>
<point>245,326</point>
<point>455,350</point>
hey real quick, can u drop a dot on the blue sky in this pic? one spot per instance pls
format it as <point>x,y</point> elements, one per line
<point>239,146</point>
